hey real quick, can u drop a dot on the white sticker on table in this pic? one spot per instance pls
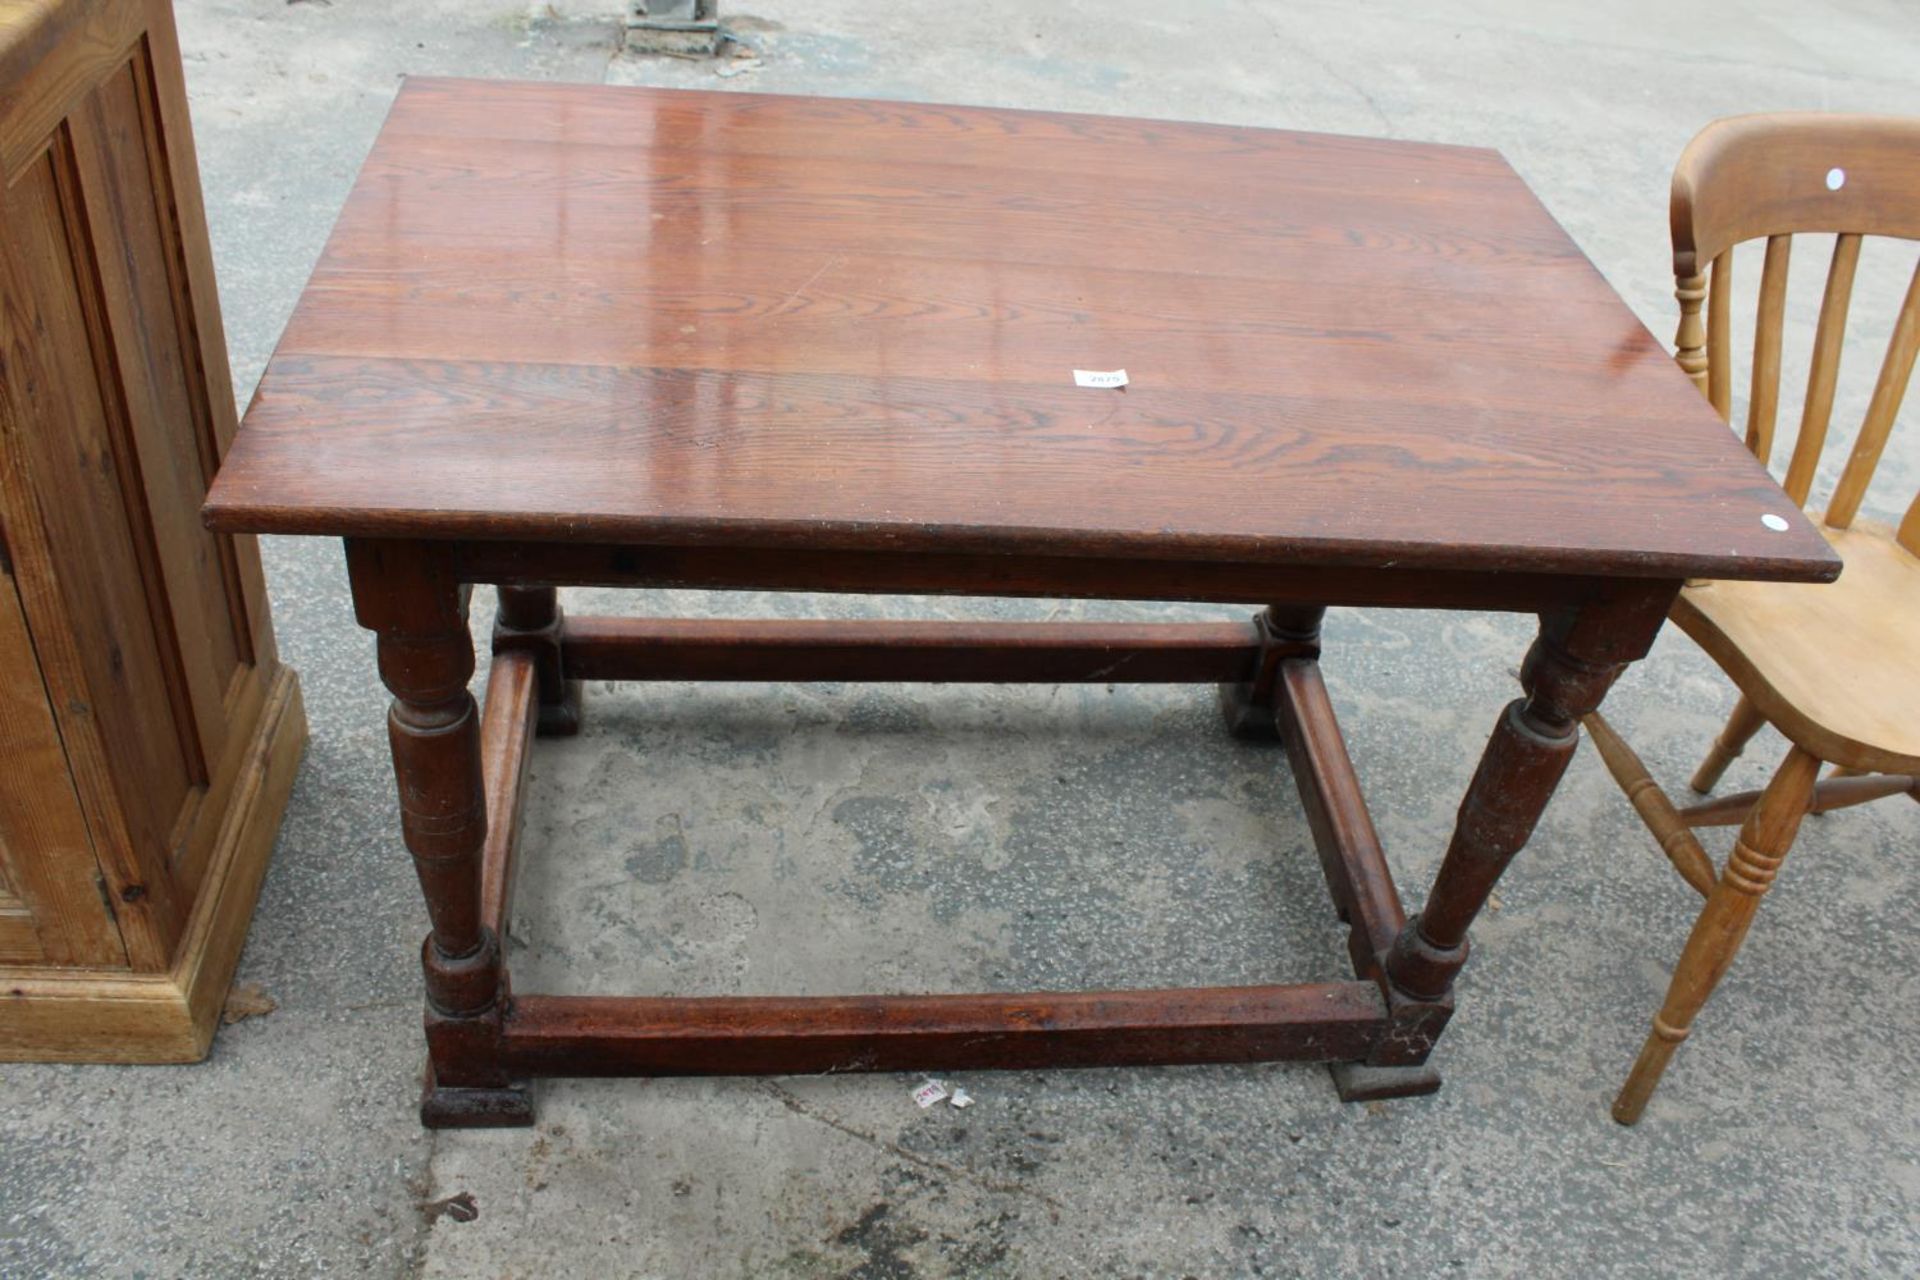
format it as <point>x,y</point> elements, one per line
<point>1099,378</point>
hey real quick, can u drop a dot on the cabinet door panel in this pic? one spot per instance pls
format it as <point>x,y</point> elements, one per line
<point>153,347</point>
<point>174,389</point>
<point>93,518</point>
<point>51,906</point>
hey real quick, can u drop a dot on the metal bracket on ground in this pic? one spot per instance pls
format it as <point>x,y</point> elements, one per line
<point>685,28</point>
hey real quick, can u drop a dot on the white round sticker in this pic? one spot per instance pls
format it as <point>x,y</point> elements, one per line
<point>1776,523</point>
<point>1836,179</point>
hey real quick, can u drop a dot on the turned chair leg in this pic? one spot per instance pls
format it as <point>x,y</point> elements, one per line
<point>1745,721</point>
<point>1764,840</point>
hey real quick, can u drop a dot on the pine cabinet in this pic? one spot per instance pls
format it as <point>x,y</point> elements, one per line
<point>148,732</point>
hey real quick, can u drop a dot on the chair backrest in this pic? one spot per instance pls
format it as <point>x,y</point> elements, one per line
<point>1774,176</point>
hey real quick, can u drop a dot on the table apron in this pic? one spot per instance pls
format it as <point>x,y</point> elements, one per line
<point>1061,577</point>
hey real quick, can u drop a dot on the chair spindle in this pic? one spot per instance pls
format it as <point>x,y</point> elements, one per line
<point>1763,396</point>
<point>1888,391</point>
<point>1909,535</point>
<point>1719,336</point>
<point>1690,339</point>
<point>1828,339</point>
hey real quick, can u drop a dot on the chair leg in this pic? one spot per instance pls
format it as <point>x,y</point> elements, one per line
<point>1764,840</point>
<point>1745,721</point>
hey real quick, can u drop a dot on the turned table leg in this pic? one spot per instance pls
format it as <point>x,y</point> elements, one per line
<point>407,595</point>
<point>529,622</point>
<point>1576,657</point>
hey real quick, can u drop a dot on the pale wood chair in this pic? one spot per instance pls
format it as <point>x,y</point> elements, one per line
<point>1836,669</point>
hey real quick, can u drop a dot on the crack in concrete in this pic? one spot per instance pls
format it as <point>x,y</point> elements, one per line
<point>1320,62</point>
<point>985,1182</point>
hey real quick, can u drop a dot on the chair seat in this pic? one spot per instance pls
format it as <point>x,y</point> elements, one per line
<point>1836,668</point>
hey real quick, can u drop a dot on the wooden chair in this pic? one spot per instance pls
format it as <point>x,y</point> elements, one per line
<point>1836,669</point>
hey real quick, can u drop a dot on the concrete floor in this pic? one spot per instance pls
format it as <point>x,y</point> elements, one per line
<point>843,838</point>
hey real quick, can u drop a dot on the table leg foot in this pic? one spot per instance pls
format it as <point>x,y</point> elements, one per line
<point>1245,718</point>
<point>1358,1082</point>
<point>506,1107</point>
<point>561,719</point>
<point>1250,706</point>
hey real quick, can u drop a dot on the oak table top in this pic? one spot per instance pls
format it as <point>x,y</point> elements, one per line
<point>637,316</point>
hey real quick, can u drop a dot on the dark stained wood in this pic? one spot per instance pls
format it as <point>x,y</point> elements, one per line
<point>614,1035</point>
<point>529,622</point>
<point>1250,705</point>
<point>404,593</point>
<point>920,573</point>
<point>647,316</point>
<point>504,1106</point>
<point>940,652</point>
<point>507,726</point>
<point>1351,857</point>
<point>1363,1082</point>
<point>579,336</point>
<point>1574,661</point>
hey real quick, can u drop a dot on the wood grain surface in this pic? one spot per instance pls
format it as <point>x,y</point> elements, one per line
<point>151,734</point>
<point>781,1035</point>
<point>1761,175</point>
<point>562,312</point>
<point>1830,667</point>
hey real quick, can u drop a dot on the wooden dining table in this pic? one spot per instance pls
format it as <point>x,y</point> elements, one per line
<point>580,335</point>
